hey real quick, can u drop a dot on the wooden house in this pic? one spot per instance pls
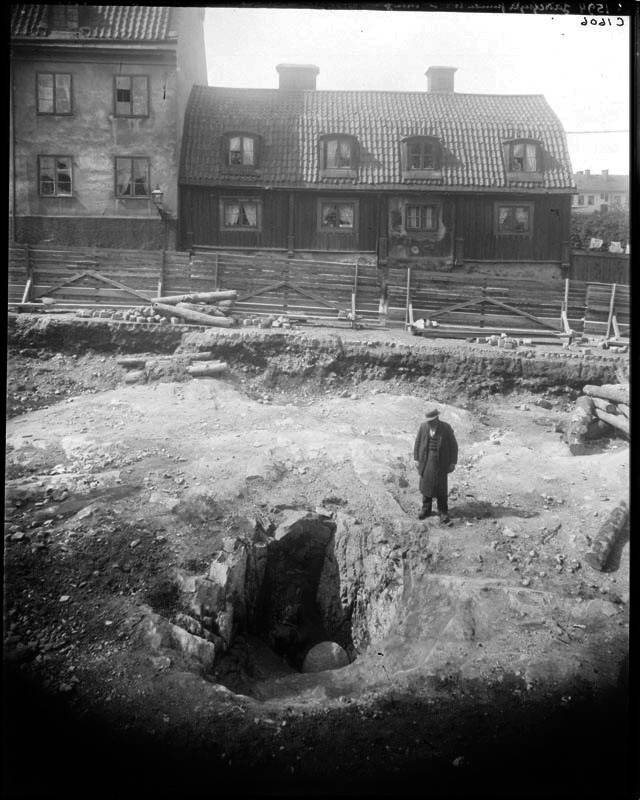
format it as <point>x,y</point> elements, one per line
<point>97,102</point>
<point>435,179</point>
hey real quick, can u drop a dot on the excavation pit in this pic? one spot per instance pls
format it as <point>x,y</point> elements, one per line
<point>287,517</point>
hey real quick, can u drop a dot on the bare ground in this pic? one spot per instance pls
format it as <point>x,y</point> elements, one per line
<point>502,672</point>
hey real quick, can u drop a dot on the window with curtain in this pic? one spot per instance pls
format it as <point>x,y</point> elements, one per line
<point>523,157</point>
<point>514,218</point>
<point>54,93</point>
<point>422,153</point>
<point>240,214</point>
<point>55,176</point>
<point>337,216</point>
<point>421,217</point>
<point>242,151</point>
<point>131,96</point>
<point>132,177</point>
<point>338,152</point>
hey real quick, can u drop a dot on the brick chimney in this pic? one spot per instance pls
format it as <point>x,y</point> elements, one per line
<point>587,172</point>
<point>605,173</point>
<point>297,77</point>
<point>440,79</point>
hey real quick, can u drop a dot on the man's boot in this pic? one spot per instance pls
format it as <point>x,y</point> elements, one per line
<point>426,510</point>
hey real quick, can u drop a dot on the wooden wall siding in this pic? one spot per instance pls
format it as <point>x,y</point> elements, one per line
<point>435,291</point>
<point>200,216</point>
<point>475,224</point>
<point>600,267</point>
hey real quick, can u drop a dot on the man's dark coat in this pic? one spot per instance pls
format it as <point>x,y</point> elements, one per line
<point>433,481</point>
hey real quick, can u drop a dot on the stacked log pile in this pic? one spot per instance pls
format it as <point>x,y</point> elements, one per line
<point>177,367</point>
<point>202,308</point>
<point>599,411</point>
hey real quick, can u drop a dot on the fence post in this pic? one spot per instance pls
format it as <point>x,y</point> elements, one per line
<point>408,301</point>
<point>611,307</point>
<point>161,278</point>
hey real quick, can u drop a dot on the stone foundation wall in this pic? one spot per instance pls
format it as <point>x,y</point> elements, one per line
<point>108,232</point>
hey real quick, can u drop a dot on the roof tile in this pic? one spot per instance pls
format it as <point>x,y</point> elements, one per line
<point>471,128</point>
<point>122,23</point>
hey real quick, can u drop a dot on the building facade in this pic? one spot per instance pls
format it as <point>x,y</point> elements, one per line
<point>602,192</point>
<point>435,179</point>
<point>98,96</point>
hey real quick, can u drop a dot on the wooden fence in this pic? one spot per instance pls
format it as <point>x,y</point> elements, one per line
<point>593,266</point>
<point>329,292</point>
<point>273,284</point>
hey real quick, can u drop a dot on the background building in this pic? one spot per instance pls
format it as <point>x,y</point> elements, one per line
<point>602,192</point>
<point>97,102</point>
<point>435,178</point>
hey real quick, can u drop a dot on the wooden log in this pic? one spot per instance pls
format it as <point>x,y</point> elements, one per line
<point>605,405</point>
<point>581,418</point>
<point>213,311</point>
<point>131,361</point>
<point>598,428</point>
<point>198,297</point>
<point>207,368</point>
<point>617,392</point>
<point>617,420</point>
<point>194,316</point>
<point>623,408</point>
<point>601,546</point>
<point>134,376</point>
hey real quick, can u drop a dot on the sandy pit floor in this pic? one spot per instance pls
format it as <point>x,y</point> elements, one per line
<point>485,639</point>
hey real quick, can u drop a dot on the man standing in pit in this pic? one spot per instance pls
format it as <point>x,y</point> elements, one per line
<point>436,454</point>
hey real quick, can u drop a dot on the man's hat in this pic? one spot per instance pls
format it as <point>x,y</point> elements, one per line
<point>433,414</point>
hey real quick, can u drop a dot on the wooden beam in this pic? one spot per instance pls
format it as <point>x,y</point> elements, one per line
<point>616,328</point>
<point>27,290</point>
<point>97,276</point>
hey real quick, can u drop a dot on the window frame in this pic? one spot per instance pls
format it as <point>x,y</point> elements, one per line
<point>353,202</point>
<point>354,155</point>
<point>524,174</point>
<point>55,112</point>
<point>131,115</point>
<point>242,135</point>
<point>132,178</point>
<point>580,199</point>
<point>56,194</point>
<point>239,200</point>
<point>513,205</point>
<point>436,217</point>
<point>412,173</point>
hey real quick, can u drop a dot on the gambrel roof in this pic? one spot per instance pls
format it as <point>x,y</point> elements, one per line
<point>120,23</point>
<point>470,127</point>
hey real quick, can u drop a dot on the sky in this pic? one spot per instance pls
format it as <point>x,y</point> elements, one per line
<point>582,70</point>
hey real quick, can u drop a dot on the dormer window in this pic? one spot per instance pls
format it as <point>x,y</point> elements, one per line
<point>523,160</point>
<point>241,151</point>
<point>338,156</point>
<point>421,157</point>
